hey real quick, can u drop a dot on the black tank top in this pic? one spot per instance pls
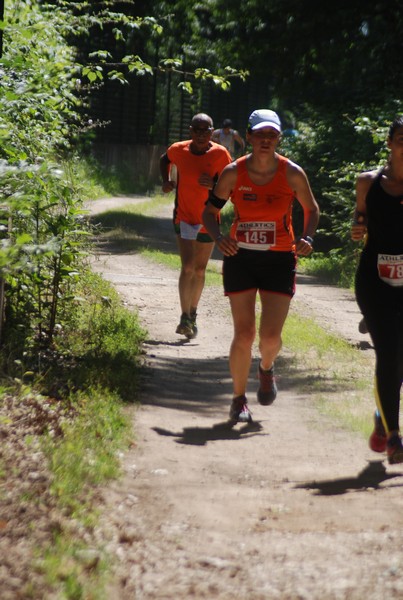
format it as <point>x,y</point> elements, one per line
<point>385,220</point>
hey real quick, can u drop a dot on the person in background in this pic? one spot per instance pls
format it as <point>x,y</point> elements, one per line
<point>379,286</point>
<point>228,137</point>
<point>198,163</point>
<point>260,251</point>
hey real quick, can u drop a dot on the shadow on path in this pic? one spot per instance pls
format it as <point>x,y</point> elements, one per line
<point>369,478</point>
<point>121,232</point>
<point>199,436</point>
<point>203,386</point>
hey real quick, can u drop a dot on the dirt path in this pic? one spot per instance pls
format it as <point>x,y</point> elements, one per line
<point>289,508</point>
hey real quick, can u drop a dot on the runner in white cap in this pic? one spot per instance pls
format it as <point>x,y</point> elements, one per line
<point>260,251</point>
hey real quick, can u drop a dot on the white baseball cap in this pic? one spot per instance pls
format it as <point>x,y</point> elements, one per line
<point>264,118</point>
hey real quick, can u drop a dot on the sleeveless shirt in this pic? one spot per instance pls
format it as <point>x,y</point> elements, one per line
<point>385,219</point>
<point>227,140</point>
<point>383,250</point>
<point>263,213</point>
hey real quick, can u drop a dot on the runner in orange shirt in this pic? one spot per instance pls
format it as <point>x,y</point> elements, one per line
<point>260,251</point>
<point>198,162</point>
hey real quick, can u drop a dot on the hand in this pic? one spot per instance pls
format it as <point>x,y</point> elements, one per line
<point>227,245</point>
<point>358,232</point>
<point>358,229</point>
<point>167,186</point>
<point>206,181</point>
<point>303,247</point>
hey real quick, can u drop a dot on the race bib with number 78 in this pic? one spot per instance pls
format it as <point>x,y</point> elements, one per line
<point>390,269</point>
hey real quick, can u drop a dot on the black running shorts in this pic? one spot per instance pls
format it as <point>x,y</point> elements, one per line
<point>260,270</point>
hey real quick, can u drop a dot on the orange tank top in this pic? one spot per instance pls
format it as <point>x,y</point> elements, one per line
<point>263,213</point>
<point>190,196</point>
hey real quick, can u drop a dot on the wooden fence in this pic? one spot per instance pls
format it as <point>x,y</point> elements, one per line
<point>139,162</point>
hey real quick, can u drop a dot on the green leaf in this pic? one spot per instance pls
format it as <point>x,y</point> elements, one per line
<point>186,86</point>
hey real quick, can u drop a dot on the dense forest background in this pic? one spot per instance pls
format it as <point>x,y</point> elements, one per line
<point>77,76</point>
<point>331,72</point>
<point>308,61</point>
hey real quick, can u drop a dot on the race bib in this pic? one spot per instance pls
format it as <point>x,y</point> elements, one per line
<point>390,269</point>
<point>256,235</point>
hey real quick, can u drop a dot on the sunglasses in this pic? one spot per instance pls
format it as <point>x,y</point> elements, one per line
<point>202,130</point>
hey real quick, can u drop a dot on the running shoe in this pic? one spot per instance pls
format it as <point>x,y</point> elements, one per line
<point>362,326</point>
<point>267,391</point>
<point>377,440</point>
<point>394,449</point>
<point>195,331</point>
<point>185,326</point>
<point>239,411</point>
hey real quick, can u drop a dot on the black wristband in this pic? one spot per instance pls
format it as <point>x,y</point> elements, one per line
<point>215,201</point>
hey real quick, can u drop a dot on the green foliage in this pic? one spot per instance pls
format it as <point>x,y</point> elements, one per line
<point>335,267</point>
<point>85,454</point>
<point>333,149</point>
<point>124,30</point>
<point>41,256</point>
<point>338,58</point>
<point>98,344</point>
<point>74,414</point>
<point>83,457</point>
<point>73,570</point>
<point>37,94</point>
<point>83,428</point>
<point>337,376</point>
